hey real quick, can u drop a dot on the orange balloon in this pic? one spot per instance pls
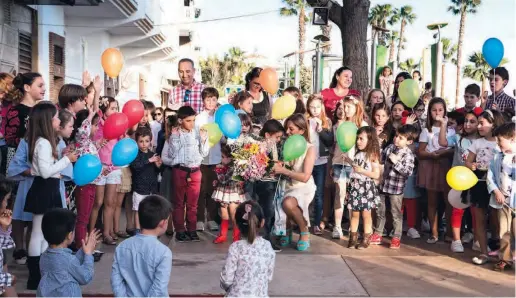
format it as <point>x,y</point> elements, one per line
<point>269,80</point>
<point>112,62</point>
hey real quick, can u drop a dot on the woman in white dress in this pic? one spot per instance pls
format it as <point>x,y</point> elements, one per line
<point>300,187</point>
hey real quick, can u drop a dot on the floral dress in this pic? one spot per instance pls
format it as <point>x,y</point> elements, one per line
<point>227,190</point>
<point>362,190</point>
<point>248,269</point>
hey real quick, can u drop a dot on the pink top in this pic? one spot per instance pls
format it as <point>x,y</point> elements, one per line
<point>105,151</point>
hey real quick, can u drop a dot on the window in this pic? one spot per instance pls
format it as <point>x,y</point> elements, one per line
<point>24,52</point>
<point>58,55</point>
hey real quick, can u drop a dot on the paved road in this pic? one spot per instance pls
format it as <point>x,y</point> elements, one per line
<point>327,269</point>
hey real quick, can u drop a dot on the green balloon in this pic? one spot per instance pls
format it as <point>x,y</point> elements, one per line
<point>294,147</point>
<point>346,136</point>
<point>409,92</point>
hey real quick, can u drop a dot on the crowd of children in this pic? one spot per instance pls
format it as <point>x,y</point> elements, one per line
<point>398,160</point>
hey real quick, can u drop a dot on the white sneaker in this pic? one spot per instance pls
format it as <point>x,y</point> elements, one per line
<point>476,247</point>
<point>467,238</point>
<point>456,246</point>
<point>337,233</point>
<point>425,226</point>
<point>200,226</point>
<point>413,233</point>
<point>212,226</point>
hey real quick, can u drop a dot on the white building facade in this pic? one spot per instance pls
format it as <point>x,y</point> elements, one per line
<point>63,41</point>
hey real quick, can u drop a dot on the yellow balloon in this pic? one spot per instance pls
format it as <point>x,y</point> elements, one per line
<point>409,92</point>
<point>283,107</point>
<point>214,133</point>
<point>461,178</point>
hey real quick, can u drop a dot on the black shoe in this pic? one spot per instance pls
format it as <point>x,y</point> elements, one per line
<point>182,237</point>
<point>170,233</point>
<point>275,247</point>
<point>193,236</point>
<point>20,256</point>
<point>131,232</point>
<point>97,255</point>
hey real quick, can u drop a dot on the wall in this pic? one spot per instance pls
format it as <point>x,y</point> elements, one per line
<point>21,20</point>
<point>48,15</point>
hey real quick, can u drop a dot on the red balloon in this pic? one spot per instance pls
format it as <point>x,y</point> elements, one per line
<point>115,126</point>
<point>134,111</point>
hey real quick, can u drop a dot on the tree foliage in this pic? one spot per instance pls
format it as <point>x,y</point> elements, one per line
<point>230,69</point>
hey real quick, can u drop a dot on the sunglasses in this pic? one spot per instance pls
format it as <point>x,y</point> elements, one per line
<point>187,95</point>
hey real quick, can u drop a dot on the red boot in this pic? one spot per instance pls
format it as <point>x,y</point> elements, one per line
<point>223,235</point>
<point>236,233</point>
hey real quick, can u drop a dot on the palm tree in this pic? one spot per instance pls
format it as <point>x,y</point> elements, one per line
<point>478,69</point>
<point>326,31</point>
<point>449,50</point>
<point>297,8</point>
<point>379,16</point>
<point>409,65</point>
<point>462,8</point>
<point>393,37</point>
<point>405,16</point>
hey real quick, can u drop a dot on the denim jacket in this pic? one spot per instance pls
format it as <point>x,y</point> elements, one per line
<point>63,274</point>
<point>494,181</point>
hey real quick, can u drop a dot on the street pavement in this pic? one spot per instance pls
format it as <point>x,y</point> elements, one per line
<point>328,268</point>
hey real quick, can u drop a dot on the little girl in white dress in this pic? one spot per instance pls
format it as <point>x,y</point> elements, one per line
<point>250,262</point>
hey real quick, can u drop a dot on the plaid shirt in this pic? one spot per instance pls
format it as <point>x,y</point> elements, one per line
<point>395,175</point>
<point>6,279</point>
<point>502,101</point>
<point>180,96</point>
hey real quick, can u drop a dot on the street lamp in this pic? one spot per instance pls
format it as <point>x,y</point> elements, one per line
<point>437,59</point>
<point>317,62</point>
<point>374,41</point>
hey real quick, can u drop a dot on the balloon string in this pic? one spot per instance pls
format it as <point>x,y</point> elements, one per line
<point>71,193</point>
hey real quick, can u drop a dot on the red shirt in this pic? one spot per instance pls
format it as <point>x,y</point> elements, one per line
<point>331,99</point>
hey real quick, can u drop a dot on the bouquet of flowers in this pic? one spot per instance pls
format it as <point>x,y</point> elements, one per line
<point>250,160</point>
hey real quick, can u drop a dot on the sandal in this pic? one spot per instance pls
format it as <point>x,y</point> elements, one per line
<point>432,240</point>
<point>109,241</point>
<point>114,237</point>
<point>500,266</point>
<point>121,235</point>
<point>303,245</point>
<point>480,260</point>
<point>286,239</point>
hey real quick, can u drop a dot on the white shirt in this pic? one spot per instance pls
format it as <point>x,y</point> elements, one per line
<point>155,128</point>
<point>43,162</point>
<point>484,151</point>
<point>215,155</point>
<point>432,138</point>
<point>186,149</point>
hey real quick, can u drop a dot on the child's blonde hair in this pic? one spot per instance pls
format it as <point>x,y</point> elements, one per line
<point>326,122</point>
<point>359,113</point>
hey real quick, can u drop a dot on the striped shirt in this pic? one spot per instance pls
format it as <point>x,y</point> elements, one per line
<point>502,101</point>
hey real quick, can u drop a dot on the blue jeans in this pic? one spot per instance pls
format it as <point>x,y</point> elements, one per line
<point>265,191</point>
<point>319,174</point>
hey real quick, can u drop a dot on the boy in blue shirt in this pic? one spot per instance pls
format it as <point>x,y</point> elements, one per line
<point>62,273</point>
<point>142,264</point>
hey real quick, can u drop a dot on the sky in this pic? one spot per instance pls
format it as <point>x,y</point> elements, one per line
<point>273,36</point>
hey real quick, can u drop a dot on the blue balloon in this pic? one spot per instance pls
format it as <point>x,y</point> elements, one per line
<point>493,51</point>
<point>230,125</point>
<point>222,110</point>
<point>124,152</point>
<point>86,169</point>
